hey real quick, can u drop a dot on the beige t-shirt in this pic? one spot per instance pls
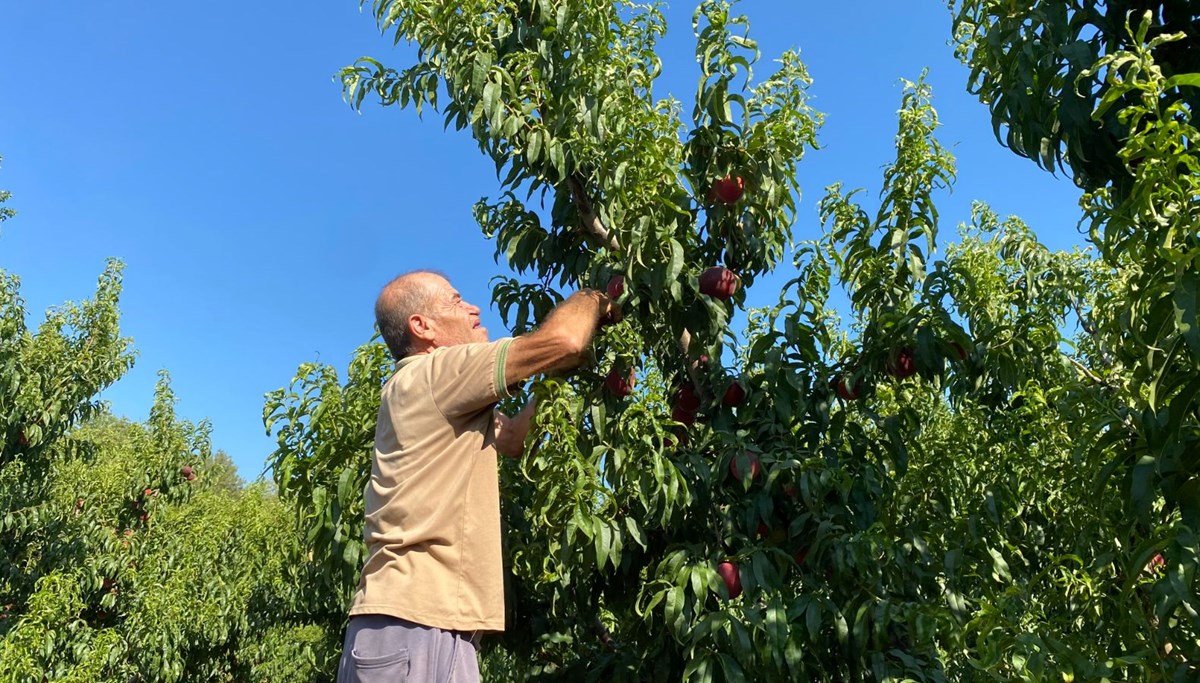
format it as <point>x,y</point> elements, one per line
<point>433,502</point>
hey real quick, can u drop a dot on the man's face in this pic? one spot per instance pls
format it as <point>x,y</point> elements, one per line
<point>454,320</point>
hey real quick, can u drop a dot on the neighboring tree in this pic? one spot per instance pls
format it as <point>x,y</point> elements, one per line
<point>931,495</point>
<point>5,212</point>
<point>325,433</point>
<point>131,552</point>
<point>142,568</point>
<point>223,474</point>
<point>1110,90</point>
<point>1034,64</point>
<point>48,384</point>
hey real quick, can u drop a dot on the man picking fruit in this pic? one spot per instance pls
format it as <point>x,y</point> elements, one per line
<point>432,582</point>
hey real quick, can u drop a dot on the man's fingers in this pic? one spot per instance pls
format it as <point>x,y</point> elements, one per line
<point>612,314</point>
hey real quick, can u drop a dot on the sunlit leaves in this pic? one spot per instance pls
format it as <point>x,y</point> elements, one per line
<point>133,570</point>
<point>5,211</point>
<point>906,223</point>
<point>325,430</point>
<point>956,513</point>
<point>1032,63</point>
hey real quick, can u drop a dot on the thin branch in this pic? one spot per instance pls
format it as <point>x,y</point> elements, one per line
<point>591,222</point>
<point>1086,372</point>
<point>685,343</point>
<point>1085,321</point>
<point>604,635</point>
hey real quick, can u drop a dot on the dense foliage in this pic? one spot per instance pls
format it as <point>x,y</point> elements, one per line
<point>985,468</point>
<point>132,552</point>
<point>1045,69</point>
<point>1111,89</point>
<point>987,471</point>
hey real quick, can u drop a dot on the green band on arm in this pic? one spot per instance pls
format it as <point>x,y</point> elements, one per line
<point>501,356</point>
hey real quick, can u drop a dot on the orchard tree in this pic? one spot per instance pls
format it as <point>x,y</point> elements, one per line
<point>325,432</point>
<point>50,381</point>
<point>1046,69</point>
<point>141,567</point>
<point>130,551</point>
<point>5,212</point>
<point>924,493</point>
<point>1110,91</point>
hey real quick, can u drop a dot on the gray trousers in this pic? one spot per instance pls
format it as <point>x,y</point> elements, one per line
<point>383,649</point>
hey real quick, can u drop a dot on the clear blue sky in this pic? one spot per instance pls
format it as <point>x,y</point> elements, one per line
<point>208,147</point>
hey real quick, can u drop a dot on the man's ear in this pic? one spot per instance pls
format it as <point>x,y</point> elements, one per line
<point>420,327</point>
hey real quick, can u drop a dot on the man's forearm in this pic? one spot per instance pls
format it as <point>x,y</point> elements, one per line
<point>561,342</point>
<point>576,318</point>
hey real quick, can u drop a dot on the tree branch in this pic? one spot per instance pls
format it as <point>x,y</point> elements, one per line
<point>591,224</point>
<point>587,214</point>
<point>604,635</point>
<point>685,344</point>
<point>1086,372</point>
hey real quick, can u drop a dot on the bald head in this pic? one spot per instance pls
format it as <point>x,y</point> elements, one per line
<point>410,294</point>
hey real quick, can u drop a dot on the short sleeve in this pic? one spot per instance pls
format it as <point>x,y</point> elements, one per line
<point>467,378</point>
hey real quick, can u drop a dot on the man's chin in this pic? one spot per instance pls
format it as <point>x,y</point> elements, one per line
<point>481,333</point>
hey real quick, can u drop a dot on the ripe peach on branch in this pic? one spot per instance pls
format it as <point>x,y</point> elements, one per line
<point>903,363</point>
<point>735,395</point>
<point>745,465</point>
<point>727,190</point>
<point>848,390</point>
<point>616,287</point>
<point>620,384</point>
<point>728,571</point>
<point>719,282</point>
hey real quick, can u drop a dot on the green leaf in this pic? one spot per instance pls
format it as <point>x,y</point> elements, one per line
<point>1141,489</point>
<point>812,619</point>
<point>1189,502</point>
<point>533,147</point>
<point>1190,80</point>
<point>1186,289</point>
<point>635,531</point>
<point>677,260</point>
<point>733,672</point>
<point>558,160</point>
<point>673,612</point>
<point>351,554</point>
<point>479,70</point>
<point>999,566</point>
<point>491,97</point>
<point>701,668</point>
<point>619,174</point>
<point>841,629</point>
<point>776,620</point>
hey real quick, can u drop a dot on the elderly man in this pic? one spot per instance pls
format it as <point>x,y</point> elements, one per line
<point>432,582</point>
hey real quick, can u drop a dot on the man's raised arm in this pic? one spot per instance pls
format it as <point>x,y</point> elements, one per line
<point>561,342</point>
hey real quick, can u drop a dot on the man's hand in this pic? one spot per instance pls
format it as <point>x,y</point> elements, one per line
<point>611,314</point>
<point>511,431</point>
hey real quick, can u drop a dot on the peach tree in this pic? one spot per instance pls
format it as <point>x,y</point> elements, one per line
<point>144,559</point>
<point>1108,92</point>
<point>924,493</point>
<point>131,551</point>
